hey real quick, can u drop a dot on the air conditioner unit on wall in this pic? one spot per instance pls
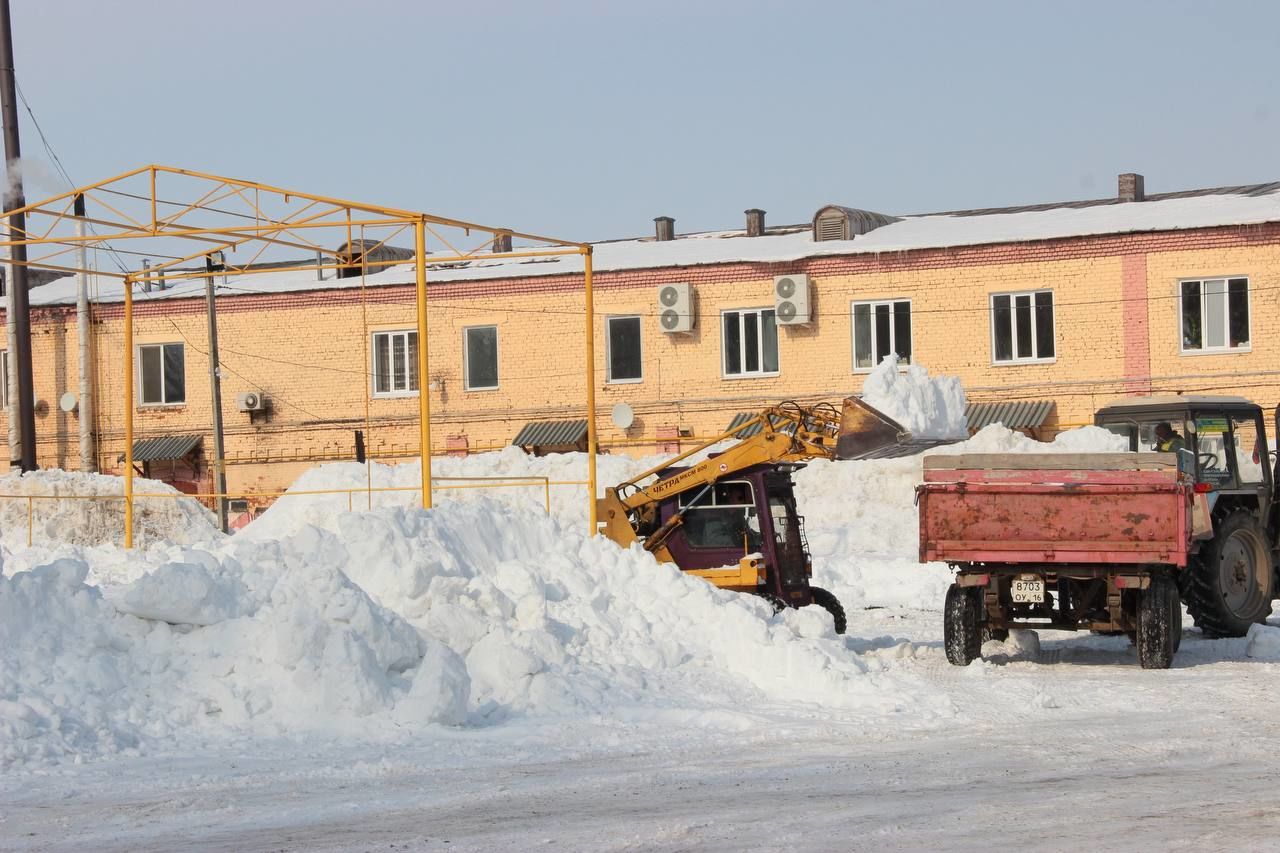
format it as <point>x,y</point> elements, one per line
<point>791,299</point>
<point>251,401</point>
<point>675,308</point>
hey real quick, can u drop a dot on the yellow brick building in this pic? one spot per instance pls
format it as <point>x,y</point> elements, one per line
<point>1070,305</point>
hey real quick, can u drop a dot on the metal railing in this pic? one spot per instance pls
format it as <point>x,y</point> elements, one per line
<point>206,498</point>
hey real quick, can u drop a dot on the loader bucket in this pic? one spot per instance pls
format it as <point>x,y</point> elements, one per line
<point>865,430</point>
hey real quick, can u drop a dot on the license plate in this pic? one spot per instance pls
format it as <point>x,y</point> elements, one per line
<point>1027,591</point>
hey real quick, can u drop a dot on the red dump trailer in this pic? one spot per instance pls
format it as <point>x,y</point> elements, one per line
<point>1067,541</point>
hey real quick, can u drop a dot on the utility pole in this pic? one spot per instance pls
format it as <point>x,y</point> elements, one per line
<point>214,262</point>
<point>88,454</point>
<point>17,229</point>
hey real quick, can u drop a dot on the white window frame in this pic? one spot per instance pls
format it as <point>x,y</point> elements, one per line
<point>608,349</point>
<point>1226,315</point>
<point>390,334</point>
<point>1013,327</point>
<point>497,358</point>
<point>893,332</point>
<point>742,344</point>
<point>138,374</point>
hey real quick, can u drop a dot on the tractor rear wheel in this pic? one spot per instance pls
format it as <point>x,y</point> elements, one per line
<point>1230,584</point>
<point>831,604</point>
<point>1155,640</point>
<point>962,624</point>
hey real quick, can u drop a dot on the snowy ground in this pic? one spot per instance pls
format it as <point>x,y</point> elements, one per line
<point>484,676</point>
<point>1074,746</point>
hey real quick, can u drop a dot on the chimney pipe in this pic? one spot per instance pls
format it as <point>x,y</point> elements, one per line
<point>1131,188</point>
<point>755,222</point>
<point>665,227</point>
<point>502,241</point>
<point>146,275</point>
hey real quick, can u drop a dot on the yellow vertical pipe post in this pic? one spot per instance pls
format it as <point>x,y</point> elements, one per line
<point>424,386</point>
<point>591,392</point>
<point>128,411</point>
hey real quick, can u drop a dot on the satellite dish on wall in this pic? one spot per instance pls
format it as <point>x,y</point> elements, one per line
<point>623,416</point>
<point>67,402</point>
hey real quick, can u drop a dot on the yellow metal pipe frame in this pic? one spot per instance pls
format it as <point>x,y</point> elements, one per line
<point>424,383</point>
<point>128,412</point>
<point>268,230</point>
<point>589,308</point>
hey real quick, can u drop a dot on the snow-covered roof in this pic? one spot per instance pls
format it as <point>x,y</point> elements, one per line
<point>1170,212</point>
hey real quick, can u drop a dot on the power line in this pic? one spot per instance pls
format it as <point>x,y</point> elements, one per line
<point>57,161</point>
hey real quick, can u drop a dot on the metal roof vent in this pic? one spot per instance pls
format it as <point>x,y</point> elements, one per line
<point>834,222</point>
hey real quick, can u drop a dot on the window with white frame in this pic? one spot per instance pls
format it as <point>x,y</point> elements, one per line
<point>1214,314</point>
<point>395,363</point>
<point>625,356</point>
<point>162,374</point>
<point>1022,327</point>
<point>480,357</point>
<point>749,342</point>
<point>881,329</point>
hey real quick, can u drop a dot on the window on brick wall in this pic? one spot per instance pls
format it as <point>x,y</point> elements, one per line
<point>480,357</point>
<point>1022,327</point>
<point>1214,314</point>
<point>879,329</point>
<point>624,356</point>
<point>395,364</point>
<point>162,374</point>
<point>4,379</point>
<point>749,342</point>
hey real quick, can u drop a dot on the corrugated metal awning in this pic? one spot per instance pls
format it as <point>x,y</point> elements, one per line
<point>545,433</point>
<point>740,419</point>
<point>164,447</point>
<point>1014,414</point>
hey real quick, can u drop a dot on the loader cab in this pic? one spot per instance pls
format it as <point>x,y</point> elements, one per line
<point>751,512</point>
<point>1224,447</point>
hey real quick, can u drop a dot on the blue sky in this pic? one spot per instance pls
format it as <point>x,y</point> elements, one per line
<point>585,120</point>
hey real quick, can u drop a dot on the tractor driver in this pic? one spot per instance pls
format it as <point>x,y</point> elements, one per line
<point>1167,439</point>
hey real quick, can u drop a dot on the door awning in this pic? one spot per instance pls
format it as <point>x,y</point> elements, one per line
<point>164,447</point>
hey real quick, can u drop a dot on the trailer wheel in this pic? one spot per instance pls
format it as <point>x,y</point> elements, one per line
<point>1175,617</point>
<point>962,624</point>
<point>831,604</point>
<point>1155,635</point>
<point>1230,586</point>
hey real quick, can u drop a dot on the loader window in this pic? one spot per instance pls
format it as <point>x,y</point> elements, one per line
<point>724,518</point>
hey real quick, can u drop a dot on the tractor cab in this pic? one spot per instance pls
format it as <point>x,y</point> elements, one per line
<point>742,532</point>
<point>1220,442</point>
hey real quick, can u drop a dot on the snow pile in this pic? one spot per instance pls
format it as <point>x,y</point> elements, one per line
<point>84,521</point>
<point>386,621</point>
<point>549,621</point>
<point>270,638</point>
<point>568,502</point>
<point>926,407</point>
<point>1263,643</point>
